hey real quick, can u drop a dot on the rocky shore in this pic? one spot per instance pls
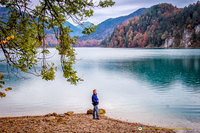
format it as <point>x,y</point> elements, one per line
<point>70,122</point>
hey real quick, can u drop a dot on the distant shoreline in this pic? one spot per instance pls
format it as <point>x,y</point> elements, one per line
<point>73,123</point>
<point>130,48</point>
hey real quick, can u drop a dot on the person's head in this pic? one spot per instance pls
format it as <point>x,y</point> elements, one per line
<point>94,91</point>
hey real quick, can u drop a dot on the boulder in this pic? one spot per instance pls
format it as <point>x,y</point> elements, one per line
<point>47,115</point>
<point>70,113</point>
<point>53,114</point>
<point>90,111</point>
<point>101,111</point>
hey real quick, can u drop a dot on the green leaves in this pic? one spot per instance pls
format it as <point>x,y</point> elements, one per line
<point>2,82</point>
<point>45,51</point>
<point>106,3</point>
<point>69,73</point>
<point>29,27</point>
<point>48,74</point>
<point>8,89</point>
<point>3,94</point>
<point>90,29</point>
<point>1,76</point>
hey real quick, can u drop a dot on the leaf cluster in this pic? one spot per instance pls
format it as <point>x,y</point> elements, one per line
<point>28,24</point>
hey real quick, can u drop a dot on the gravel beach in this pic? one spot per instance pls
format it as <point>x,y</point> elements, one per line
<point>69,122</point>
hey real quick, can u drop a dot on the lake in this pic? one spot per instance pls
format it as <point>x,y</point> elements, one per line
<point>150,86</point>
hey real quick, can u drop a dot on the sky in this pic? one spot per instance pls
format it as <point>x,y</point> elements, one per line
<point>125,7</point>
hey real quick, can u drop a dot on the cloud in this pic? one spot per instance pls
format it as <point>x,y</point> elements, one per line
<point>125,7</point>
<point>112,12</point>
<point>148,3</point>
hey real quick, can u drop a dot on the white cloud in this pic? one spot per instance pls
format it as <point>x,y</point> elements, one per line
<point>125,7</point>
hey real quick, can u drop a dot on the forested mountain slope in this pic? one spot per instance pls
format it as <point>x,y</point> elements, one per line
<point>105,29</point>
<point>162,25</point>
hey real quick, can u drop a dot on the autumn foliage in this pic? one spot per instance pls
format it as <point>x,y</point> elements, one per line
<point>153,27</point>
<point>2,92</point>
<point>88,43</point>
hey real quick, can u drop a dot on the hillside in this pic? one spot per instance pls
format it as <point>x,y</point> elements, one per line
<point>106,27</point>
<point>76,30</point>
<point>162,25</point>
<point>84,24</point>
<point>103,30</point>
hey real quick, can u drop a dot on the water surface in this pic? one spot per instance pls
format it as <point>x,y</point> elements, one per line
<point>151,86</point>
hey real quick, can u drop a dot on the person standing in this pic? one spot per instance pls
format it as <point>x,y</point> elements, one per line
<point>95,102</point>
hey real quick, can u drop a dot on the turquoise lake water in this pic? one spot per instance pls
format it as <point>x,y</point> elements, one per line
<point>150,86</point>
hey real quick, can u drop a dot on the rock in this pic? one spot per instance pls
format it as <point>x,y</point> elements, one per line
<point>53,114</point>
<point>70,113</point>
<point>50,118</point>
<point>47,115</point>
<point>90,111</point>
<point>61,115</point>
<point>186,38</point>
<point>101,111</point>
<point>61,120</point>
<point>197,29</point>
<point>169,42</point>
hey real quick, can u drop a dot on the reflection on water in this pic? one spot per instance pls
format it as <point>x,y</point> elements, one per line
<point>151,86</point>
<point>161,72</point>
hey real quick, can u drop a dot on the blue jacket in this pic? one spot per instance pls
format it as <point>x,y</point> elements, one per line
<point>94,99</point>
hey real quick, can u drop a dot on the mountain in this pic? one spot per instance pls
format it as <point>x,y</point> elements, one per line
<point>105,28</point>
<point>162,26</point>
<point>77,30</point>
<point>84,24</point>
<point>3,12</point>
